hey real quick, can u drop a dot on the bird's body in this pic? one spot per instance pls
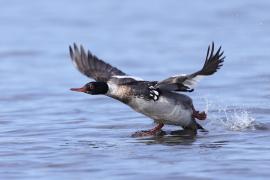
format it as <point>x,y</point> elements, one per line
<point>170,108</point>
<point>159,100</point>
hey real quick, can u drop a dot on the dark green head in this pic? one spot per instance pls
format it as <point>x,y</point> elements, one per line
<point>93,88</point>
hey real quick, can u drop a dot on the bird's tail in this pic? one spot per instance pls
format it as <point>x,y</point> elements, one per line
<point>199,126</point>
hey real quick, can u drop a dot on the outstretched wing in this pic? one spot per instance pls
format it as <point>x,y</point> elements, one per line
<point>89,65</point>
<point>213,62</point>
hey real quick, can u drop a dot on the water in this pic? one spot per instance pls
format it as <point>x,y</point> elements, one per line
<point>49,132</point>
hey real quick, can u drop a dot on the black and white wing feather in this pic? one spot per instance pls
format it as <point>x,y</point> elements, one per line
<point>89,65</point>
<point>213,62</point>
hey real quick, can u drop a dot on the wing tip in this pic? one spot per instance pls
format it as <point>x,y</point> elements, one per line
<point>76,50</point>
<point>71,52</point>
<point>213,61</point>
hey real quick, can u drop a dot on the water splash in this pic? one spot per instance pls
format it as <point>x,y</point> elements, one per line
<point>238,120</point>
<point>234,118</point>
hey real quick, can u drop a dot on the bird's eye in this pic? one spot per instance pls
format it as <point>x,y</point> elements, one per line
<point>91,86</point>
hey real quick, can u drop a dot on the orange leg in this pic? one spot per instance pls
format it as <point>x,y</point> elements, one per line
<point>198,115</point>
<point>150,132</point>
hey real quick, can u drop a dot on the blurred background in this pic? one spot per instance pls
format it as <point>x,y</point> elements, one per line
<point>48,132</point>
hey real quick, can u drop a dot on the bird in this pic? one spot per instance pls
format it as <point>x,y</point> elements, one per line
<point>162,101</point>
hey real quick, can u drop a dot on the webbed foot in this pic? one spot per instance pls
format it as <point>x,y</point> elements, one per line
<point>151,132</point>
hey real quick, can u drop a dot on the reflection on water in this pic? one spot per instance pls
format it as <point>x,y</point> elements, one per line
<point>214,145</point>
<point>170,138</point>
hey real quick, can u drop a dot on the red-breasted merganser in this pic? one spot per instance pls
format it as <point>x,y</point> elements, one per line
<point>158,100</point>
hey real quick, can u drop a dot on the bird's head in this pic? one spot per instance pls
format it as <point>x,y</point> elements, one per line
<point>93,88</point>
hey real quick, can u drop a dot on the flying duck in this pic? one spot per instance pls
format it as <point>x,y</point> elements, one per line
<point>158,100</point>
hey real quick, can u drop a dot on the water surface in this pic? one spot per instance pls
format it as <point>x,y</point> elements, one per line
<point>49,132</point>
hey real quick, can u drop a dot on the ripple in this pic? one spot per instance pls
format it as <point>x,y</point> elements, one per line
<point>19,53</point>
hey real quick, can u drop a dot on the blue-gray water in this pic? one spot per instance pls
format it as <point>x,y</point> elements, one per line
<point>49,132</point>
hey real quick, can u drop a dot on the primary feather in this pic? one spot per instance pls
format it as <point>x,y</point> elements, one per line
<point>213,62</point>
<point>89,65</point>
